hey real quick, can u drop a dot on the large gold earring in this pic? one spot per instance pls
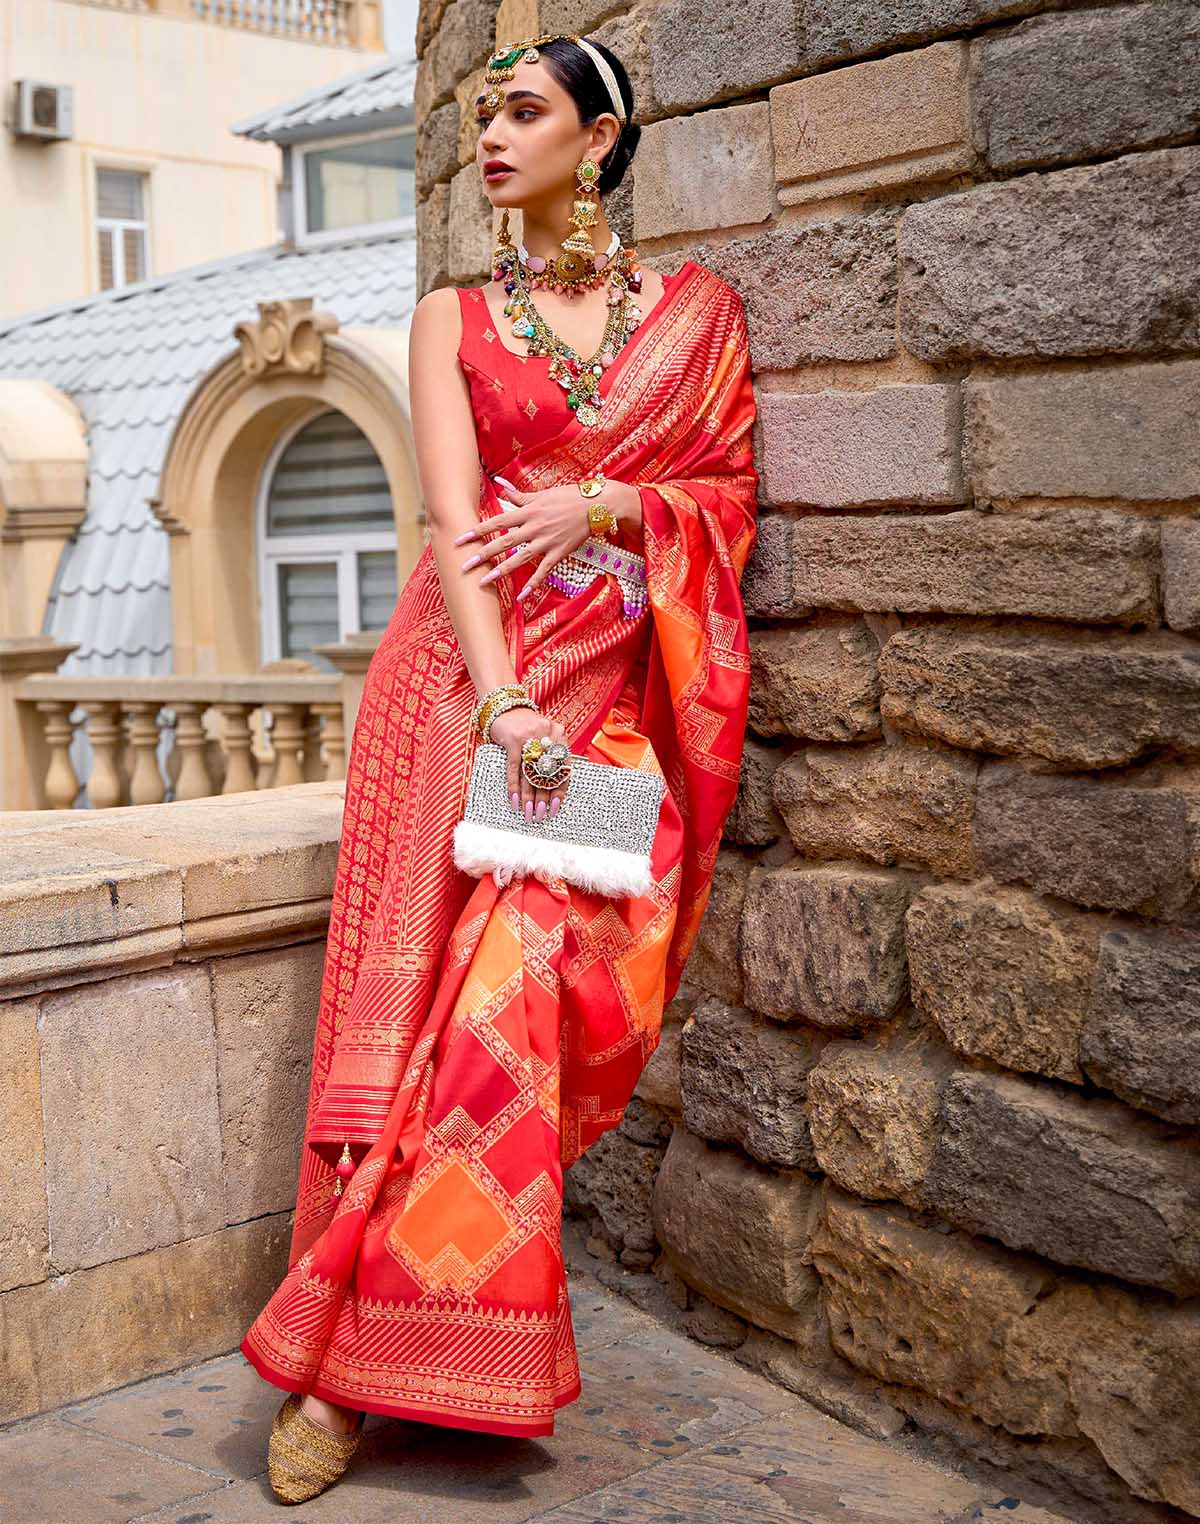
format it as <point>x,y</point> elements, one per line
<point>576,263</point>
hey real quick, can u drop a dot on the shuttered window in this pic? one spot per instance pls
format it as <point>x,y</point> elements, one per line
<point>328,549</point>
<point>122,230</point>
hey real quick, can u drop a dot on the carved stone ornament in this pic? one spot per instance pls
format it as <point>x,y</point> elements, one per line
<point>289,337</point>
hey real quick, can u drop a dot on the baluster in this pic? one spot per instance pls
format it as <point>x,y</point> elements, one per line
<point>314,768</point>
<point>190,741</point>
<point>61,786</point>
<point>239,768</point>
<point>287,737</point>
<point>104,785</point>
<point>145,783</point>
<point>333,734</point>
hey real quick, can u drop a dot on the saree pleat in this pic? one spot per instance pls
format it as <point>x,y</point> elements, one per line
<point>472,1041</point>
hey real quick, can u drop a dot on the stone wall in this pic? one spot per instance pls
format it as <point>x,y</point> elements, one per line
<point>922,1136</point>
<point>160,969</point>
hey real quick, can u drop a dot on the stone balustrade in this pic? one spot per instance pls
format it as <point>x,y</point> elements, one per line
<point>335,23</point>
<point>227,735</point>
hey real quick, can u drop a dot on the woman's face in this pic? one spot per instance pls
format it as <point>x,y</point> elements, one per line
<point>539,136</point>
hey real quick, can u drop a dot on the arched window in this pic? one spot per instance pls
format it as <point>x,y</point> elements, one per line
<point>327,543</point>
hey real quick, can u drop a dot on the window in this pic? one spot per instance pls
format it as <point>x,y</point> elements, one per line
<point>328,543</point>
<point>363,182</point>
<point>122,232</point>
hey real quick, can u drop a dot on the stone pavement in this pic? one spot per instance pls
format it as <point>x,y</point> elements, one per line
<point>666,1432</point>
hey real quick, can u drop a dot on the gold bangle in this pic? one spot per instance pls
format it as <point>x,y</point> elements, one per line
<point>493,695</point>
<point>601,519</point>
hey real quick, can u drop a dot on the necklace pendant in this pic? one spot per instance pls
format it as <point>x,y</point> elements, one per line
<point>587,414</point>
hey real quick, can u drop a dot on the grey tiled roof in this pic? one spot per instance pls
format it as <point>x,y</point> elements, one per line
<point>129,359</point>
<point>384,89</point>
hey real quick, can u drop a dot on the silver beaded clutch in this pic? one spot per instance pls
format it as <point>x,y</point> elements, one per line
<point>600,839</point>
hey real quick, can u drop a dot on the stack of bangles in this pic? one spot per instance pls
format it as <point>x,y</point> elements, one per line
<point>544,763</point>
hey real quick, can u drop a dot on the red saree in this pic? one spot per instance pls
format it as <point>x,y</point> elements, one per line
<point>473,1041</point>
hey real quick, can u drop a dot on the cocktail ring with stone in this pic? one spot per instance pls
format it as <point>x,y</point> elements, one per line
<point>545,763</point>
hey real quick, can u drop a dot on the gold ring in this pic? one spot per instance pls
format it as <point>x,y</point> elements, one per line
<point>545,763</point>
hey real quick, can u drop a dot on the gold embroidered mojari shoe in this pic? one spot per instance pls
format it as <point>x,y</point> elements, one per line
<point>303,1456</point>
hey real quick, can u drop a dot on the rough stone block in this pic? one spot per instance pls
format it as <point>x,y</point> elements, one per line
<point>24,1237</point>
<point>578,16</point>
<point>842,962</point>
<point>463,40</point>
<point>820,683</point>
<point>874,1117</point>
<point>615,1179</point>
<point>75,1335</point>
<point>905,805</point>
<point>1093,433</point>
<point>767,579</point>
<point>745,1081</point>
<point>814,291</point>
<point>658,1083</point>
<point>844,449</point>
<point>469,231</point>
<point>713,962</point>
<point>702,51</point>
<point>1083,1181</point>
<point>891,121</point>
<point>754,820</point>
<point>710,170</point>
<point>133,1156</point>
<point>628,36</point>
<point>937,1311</point>
<point>1104,255</point>
<point>1003,974</point>
<point>468,124</point>
<point>1141,1038</point>
<point>1181,573</point>
<point>1083,86</point>
<point>738,1233</point>
<point>1085,701</point>
<point>1111,846</point>
<point>841,29</point>
<point>433,240</point>
<point>1081,565</point>
<point>429,17</point>
<point>437,147</point>
<point>265,1006</point>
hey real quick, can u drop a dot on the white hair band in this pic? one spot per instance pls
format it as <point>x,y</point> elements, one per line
<point>606,74</point>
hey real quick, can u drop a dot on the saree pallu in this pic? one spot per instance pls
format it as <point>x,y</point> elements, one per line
<point>472,1041</point>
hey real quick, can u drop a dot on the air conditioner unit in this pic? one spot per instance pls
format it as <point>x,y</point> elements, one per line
<point>43,110</point>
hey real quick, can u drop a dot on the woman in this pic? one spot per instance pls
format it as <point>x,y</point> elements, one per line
<point>475,1038</point>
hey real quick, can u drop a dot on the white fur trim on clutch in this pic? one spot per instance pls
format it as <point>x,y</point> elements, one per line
<point>479,849</point>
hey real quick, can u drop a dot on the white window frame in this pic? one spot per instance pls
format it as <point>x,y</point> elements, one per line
<point>303,236</point>
<point>117,224</point>
<point>306,550</point>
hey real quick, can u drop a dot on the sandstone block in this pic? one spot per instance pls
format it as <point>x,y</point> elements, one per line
<point>133,1154</point>
<point>1141,1037</point>
<point>1089,284</point>
<point>437,147</point>
<point>658,1083</point>
<point>937,1311</point>
<point>628,36</point>
<point>1181,573</point>
<point>816,291</point>
<point>579,16</point>
<point>710,170</point>
<point>1086,566</point>
<point>1093,433</point>
<point>92,1330</point>
<point>890,804</point>
<point>874,1117</point>
<point>821,683</point>
<point>754,821</point>
<point>887,122</point>
<point>429,16</point>
<point>744,1081</point>
<point>1111,846</point>
<point>433,240</point>
<point>468,126</point>
<point>265,1005</point>
<point>469,231</point>
<point>463,40</point>
<point>701,51</point>
<point>615,1179</point>
<point>840,29</point>
<point>24,1240</point>
<point>713,962</point>
<point>738,1233</point>
<point>841,960</point>
<point>1084,701</point>
<point>1082,86</point>
<point>1083,1181</point>
<point>1004,975</point>
<point>844,449</point>
<point>767,579</point>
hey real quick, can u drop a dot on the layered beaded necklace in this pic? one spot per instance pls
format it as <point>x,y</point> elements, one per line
<point>517,270</point>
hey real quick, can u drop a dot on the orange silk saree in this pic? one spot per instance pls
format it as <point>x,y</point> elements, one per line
<point>472,1041</point>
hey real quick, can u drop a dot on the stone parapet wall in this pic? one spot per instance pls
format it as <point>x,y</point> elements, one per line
<point>160,970</point>
<point>923,1135</point>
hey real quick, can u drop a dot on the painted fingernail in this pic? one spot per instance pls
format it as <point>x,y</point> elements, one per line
<point>516,801</point>
<point>474,561</point>
<point>555,805</point>
<point>529,809</point>
<point>539,809</point>
<point>464,537</point>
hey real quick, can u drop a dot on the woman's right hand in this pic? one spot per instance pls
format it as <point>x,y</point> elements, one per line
<point>511,730</point>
